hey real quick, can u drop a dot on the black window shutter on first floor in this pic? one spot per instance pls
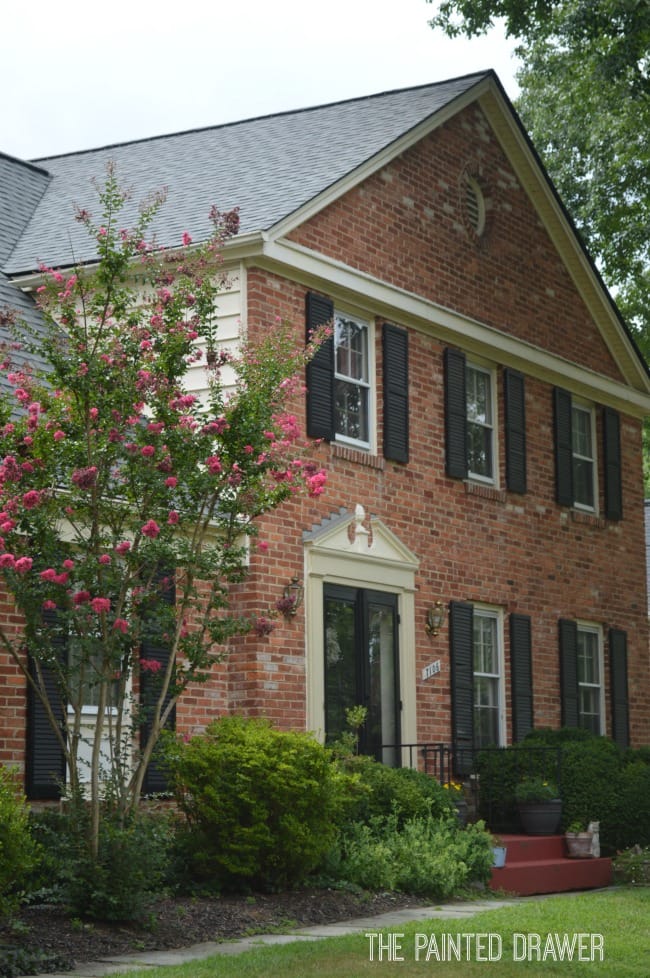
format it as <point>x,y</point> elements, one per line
<point>612,464</point>
<point>619,689</point>
<point>568,633</point>
<point>522,676</point>
<point>44,758</point>
<point>320,370</point>
<point>461,640</point>
<point>515,424</point>
<point>155,780</point>
<point>396,393</point>
<point>455,414</point>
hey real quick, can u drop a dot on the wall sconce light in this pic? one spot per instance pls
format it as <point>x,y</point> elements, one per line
<point>435,618</point>
<point>291,598</point>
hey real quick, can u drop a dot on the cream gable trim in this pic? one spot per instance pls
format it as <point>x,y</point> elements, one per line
<point>350,550</point>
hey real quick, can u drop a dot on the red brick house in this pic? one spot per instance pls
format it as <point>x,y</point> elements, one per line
<point>476,565</point>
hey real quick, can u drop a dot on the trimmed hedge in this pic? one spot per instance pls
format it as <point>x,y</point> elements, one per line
<point>597,781</point>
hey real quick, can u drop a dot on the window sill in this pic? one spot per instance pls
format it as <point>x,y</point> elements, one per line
<point>486,492</point>
<point>588,519</point>
<point>356,455</point>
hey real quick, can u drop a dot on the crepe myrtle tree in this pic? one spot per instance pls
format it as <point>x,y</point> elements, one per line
<point>119,488</point>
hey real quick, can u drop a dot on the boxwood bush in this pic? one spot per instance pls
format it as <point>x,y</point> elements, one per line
<point>381,791</point>
<point>261,805</point>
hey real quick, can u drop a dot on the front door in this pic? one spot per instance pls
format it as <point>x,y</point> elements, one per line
<point>362,667</point>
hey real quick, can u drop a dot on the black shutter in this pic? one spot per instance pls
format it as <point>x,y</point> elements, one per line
<point>612,464</point>
<point>563,447</point>
<point>461,641</point>
<point>515,423</point>
<point>396,393</point>
<point>619,693</point>
<point>45,767</point>
<point>320,371</point>
<point>155,779</point>
<point>455,414</point>
<point>522,676</point>
<point>569,673</point>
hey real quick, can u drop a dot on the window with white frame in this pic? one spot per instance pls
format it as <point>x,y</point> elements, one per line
<point>351,380</point>
<point>488,677</point>
<point>590,672</point>
<point>479,382</point>
<point>583,452</point>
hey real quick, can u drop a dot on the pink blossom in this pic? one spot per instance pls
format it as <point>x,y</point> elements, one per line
<point>85,478</point>
<point>150,665</point>
<point>150,529</point>
<point>147,451</point>
<point>263,546</point>
<point>93,413</point>
<point>60,579</point>
<point>213,464</point>
<point>121,625</point>
<point>187,239</point>
<point>316,483</point>
<point>105,559</point>
<point>81,597</point>
<point>173,517</point>
<point>21,395</point>
<point>48,575</point>
<point>146,345</point>
<point>263,626</point>
<point>123,547</point>
<point>68,564</point>
<point>58,435</point>
<point>100,605</point>
<point>171,482</point>
<point>23,565</point>
<point>49,605</point>
<point>7,560</point>
<point>31,499</point>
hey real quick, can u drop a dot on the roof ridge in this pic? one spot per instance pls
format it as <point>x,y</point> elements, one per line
<point>259,118</point>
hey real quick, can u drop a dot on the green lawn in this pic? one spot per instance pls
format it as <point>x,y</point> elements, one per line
<point>521,940</point>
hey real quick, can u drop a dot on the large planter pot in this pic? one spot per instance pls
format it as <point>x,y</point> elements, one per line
<point>540,817</point>
<point>579,844</point>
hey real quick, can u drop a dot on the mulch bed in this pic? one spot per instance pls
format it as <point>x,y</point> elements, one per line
<point>182,922</point>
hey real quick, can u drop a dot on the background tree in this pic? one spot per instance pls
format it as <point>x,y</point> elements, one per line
<point>585,99</point>
<point>126,501</point>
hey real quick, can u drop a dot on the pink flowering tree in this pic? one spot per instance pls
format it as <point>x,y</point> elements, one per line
<point>126,501</point>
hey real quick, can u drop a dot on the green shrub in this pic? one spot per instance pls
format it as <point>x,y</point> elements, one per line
<point>591,779</point>
<point>19,852</point>
<point>131,868</point>
<point>261,804</point>
<point>429,857</point>
<point>381,791</point>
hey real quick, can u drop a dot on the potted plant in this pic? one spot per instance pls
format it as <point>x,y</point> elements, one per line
<point>579,841</point>
<point>539,806</point>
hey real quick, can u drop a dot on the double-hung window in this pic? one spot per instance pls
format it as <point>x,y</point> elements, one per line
<point>583,453</point>
<point>590,691</point>
<point>351,381</point>
<point>576,455</point>
<point>480,422</point>
<point>488,678</point>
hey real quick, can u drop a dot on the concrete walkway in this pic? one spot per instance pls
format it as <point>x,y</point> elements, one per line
<point>392,921</point>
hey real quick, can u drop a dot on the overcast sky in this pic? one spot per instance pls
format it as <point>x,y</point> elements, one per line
<point>79,74</point>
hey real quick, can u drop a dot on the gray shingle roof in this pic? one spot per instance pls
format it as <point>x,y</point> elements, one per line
<point>268,167</point>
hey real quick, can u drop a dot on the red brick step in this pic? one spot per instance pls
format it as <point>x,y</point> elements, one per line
<point>539,864</point>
